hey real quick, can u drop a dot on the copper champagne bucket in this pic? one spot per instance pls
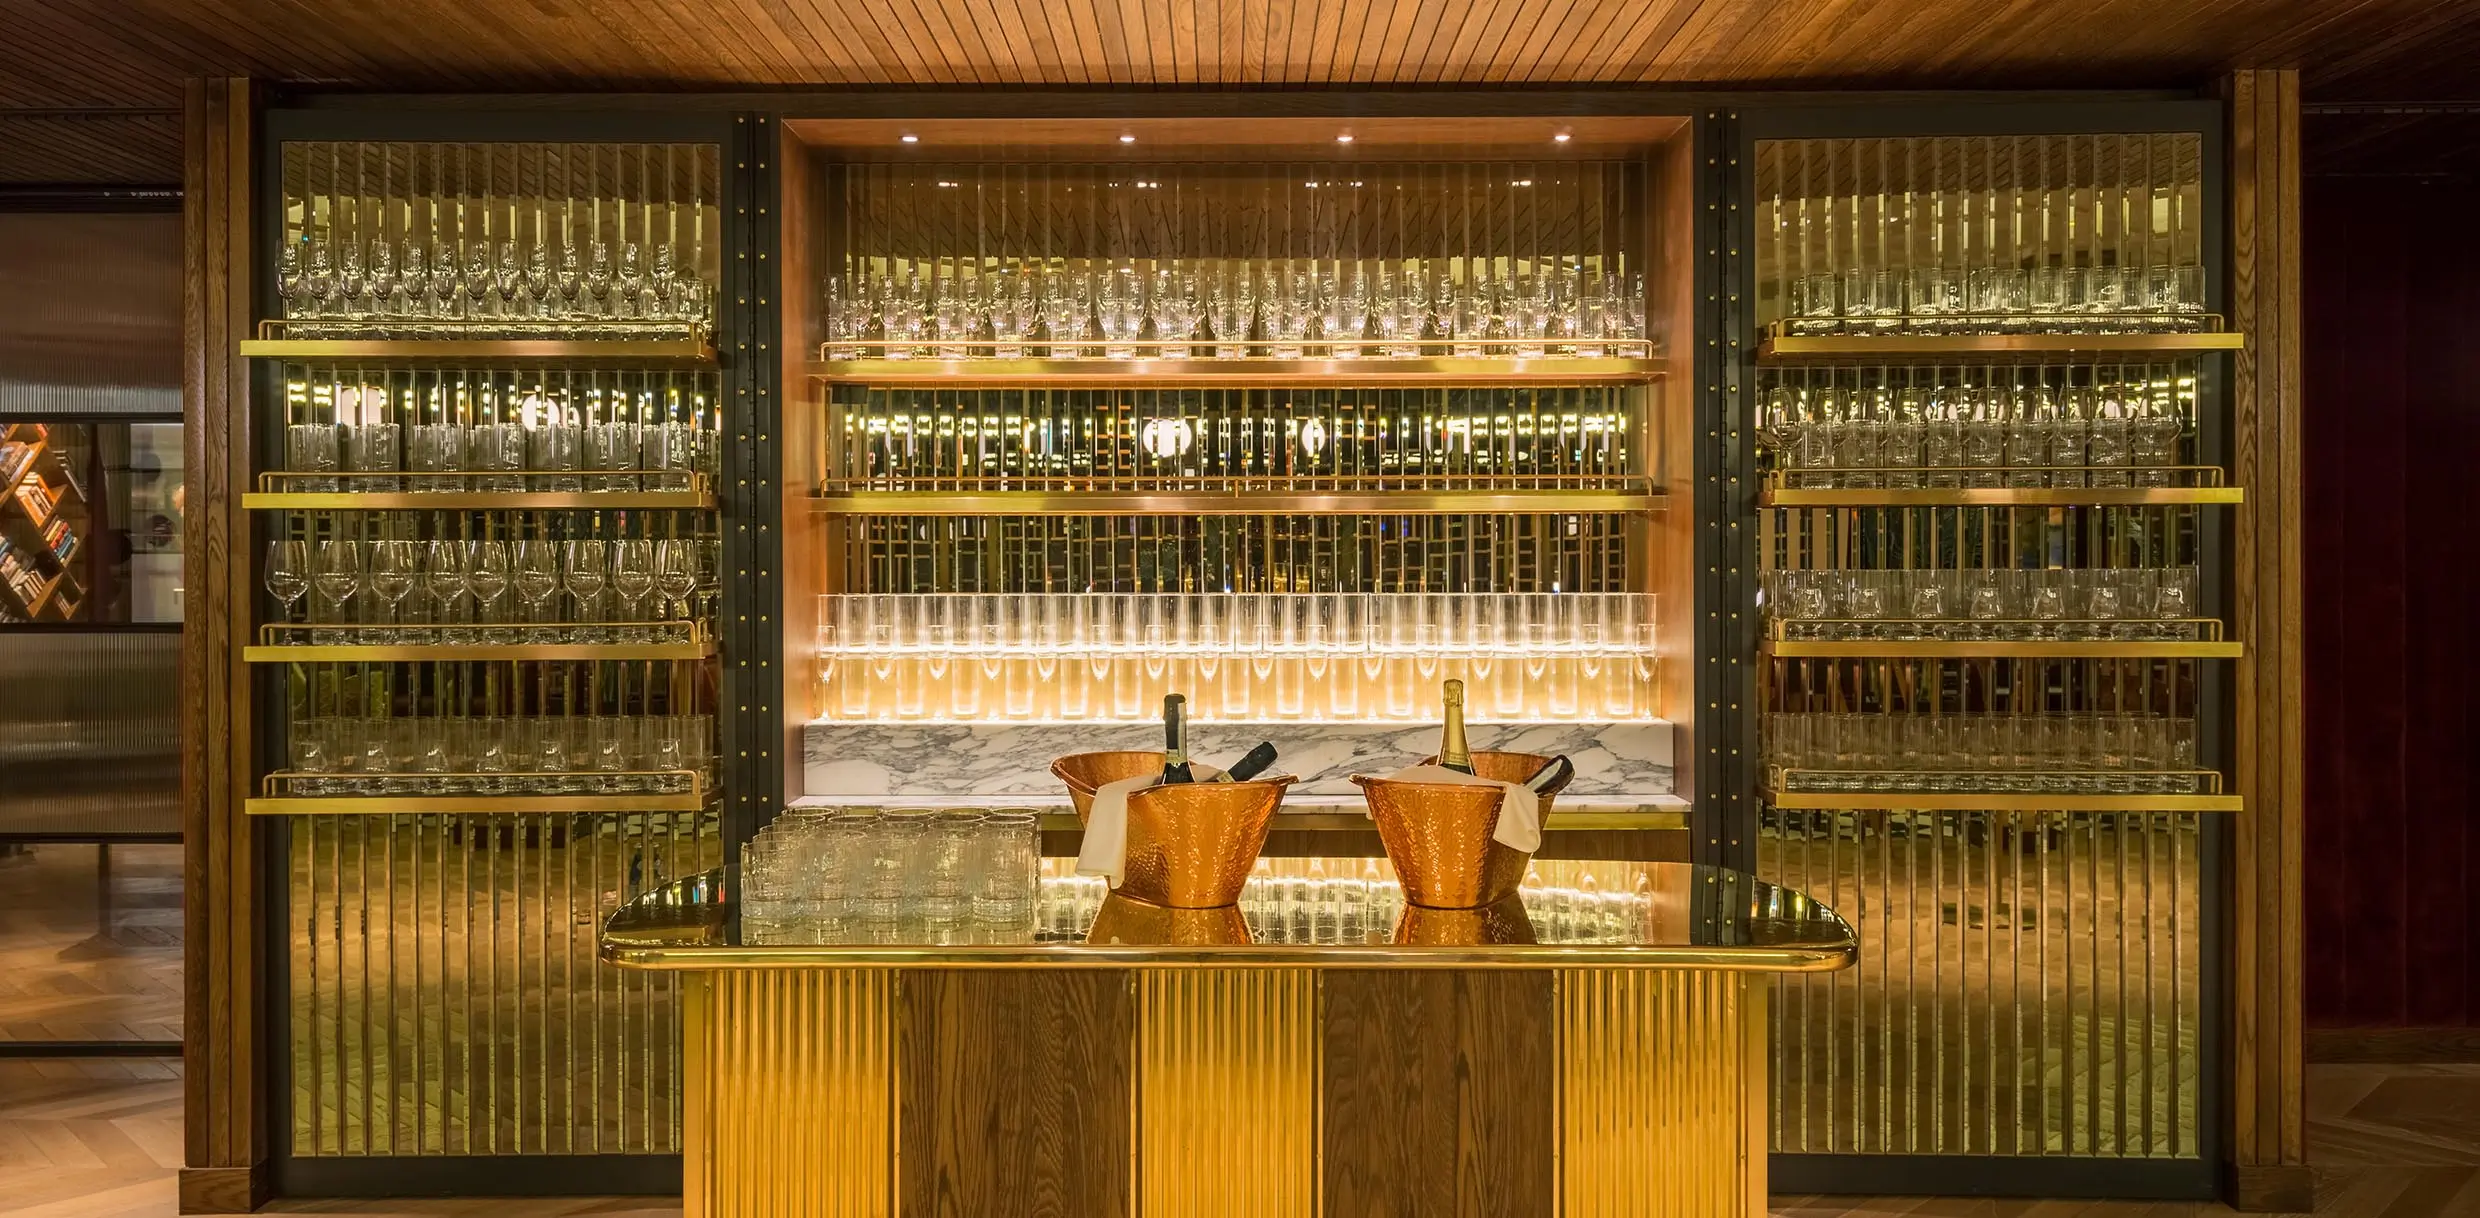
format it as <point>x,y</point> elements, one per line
<point>1513,767</point>
<point>1440,836</point>
<point>1490,926</point>
<point>1191,845</point>
<point>1123,919</point>
<point>1086,773</point>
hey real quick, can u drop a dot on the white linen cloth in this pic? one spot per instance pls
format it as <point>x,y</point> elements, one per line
<point>1105,852</point>
<point>1519,817</point>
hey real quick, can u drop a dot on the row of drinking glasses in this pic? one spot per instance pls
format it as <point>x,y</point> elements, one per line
<point>1603,623</point>
<point>2053,754</point>
<point>1284,309</point>
<point>450,591</point>
<point>1992,300</point>
<point>500,755</point>
<point>894,876</point>
<point>1961,437</point>
<point>1355,901</point>
<point>346,285</point>
<point>2126,603</point>
<point>499,456</point>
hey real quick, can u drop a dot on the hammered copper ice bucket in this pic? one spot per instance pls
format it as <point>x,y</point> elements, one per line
<point>1191,845</point>
<point>1442,836</point>
<point>1086,773</point>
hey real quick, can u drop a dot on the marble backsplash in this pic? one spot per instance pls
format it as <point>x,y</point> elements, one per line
<point>1614,761</point>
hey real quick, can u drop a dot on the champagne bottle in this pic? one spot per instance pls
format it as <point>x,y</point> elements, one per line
<point>1453,752</point>
<point>1254,764</point>
<point>1553,772</point>
<point>1175,739</point>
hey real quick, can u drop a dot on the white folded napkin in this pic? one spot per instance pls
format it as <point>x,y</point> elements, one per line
<point>1519,817</point>
<point>1106,829</point>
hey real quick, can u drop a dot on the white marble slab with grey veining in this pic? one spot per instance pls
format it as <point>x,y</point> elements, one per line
<point>1614,761</point>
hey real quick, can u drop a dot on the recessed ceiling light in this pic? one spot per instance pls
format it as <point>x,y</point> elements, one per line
<point>911,139</point>
<point>1560,138</point>
<point>1127,139</point>
<point>1345,138</point>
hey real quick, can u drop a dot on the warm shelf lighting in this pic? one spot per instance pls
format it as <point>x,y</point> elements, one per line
<point>1127,139</point>
<point>910,139</point>
<point>1345,138</point>
<point>1560,138</point>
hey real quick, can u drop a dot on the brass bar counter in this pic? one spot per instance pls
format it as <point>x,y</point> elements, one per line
<point>1596,1046</point>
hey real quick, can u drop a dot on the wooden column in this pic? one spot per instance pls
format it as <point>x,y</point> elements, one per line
<point>225,1102</point>
<point>2266,1166</point>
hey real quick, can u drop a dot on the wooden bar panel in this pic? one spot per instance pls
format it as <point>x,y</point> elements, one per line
<point>2267,1167</point>
<point>1440,1094</point>
<point>1013,1093</point>
<point>225,1102</point>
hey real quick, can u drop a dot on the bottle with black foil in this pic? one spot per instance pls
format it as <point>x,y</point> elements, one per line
<point>1175,739</point>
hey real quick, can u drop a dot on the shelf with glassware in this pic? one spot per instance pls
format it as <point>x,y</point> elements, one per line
<point>1994,313</point>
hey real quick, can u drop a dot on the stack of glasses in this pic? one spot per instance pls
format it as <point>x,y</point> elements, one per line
<point>1233,311</point>
<point>861,875</point>
<point>2074,754</point>
<point>1339,623</point>
<point>342,288</point>
<point>1999,300</point>
<point>497,458</point>
<point>448,591</point>
<point>2126,604</point>
<point>1357,901</point>
<point>1946,437</point>
<point>495,755</point>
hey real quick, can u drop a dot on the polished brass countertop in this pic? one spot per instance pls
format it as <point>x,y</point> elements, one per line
<point>1570,914</point>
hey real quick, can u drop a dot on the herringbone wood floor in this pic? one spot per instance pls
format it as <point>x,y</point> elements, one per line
<point>66,973</point>
<point>102,1138</point>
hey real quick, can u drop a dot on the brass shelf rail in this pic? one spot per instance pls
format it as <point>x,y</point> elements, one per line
<point>2207,645</point>
<point>2195,484</point>
<point>1845,346</point>
<point>1990,801</point>
<point>1233,502</point>
<point>280,491</point>
<point>857,364</point>
<point>319,342</point>
<point>276,645</point>
<point>1351,821</point>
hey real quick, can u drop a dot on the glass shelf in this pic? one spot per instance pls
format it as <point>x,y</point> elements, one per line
<point>1842,346</point>
<point>550,343</point>
<point>1983,487</point>
<point>1250,502</point>
<point>290,643</point>
<point>290,491</point>
<point>2020,649</point>
<point>1990,801</point>
<point>1475,371</point>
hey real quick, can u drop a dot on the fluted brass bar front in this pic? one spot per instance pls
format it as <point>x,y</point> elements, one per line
<point>1227,1093</point>
<point>790,1100</point>
<point>1661,1094</point>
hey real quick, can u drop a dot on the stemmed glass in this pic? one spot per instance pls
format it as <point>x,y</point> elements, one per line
<point>288,573</point>
<point>537,577</point>
<point>443,579</point>
<point>589,571</point>
<point>489,571</point>
<point>337,577</point>
<point>632,577</point>
<point>675,576</point>
<point>447,286</point>
<point>394,566</point>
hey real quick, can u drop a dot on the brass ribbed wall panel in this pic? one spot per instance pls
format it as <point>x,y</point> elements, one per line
<point>1227,1103</point>
<point>794,1074</point>
<point>1656,1116</point>
<point>446,996</point>
<point>2027,984</point>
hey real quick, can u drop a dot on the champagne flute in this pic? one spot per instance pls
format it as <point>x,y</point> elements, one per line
<point>537,566</point>
<point>589,571</point>
<point>337,577</point>
<point>288,573</point>
<point>489,571</point>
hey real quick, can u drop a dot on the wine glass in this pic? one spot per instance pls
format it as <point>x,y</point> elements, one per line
<point>537,566</point>
<point>599,302</point>
<point>675,572</point>
<point>567,299</point>
<point>447,286</point>
<point>480,289</point>
<point>629,289</point>
<point>353,284</point>
<point>589,571</point>
<point>510,297</point>
<point>413,277</point>
<point>632,577</point>
<point>288,573</point>
<point>336,578</point>
<point>542,292</point>
<point>386,289</point>
<point>395,566</point>
<point>443,581</point>
<point>489,570</point>
<point>292,285</point>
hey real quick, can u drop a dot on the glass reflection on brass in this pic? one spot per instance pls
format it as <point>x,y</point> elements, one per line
<point>1126,920</point>
<point>1502,923</point>
<point>1192,845</point>
<point>1086,773</point>
<point>1441,836</point>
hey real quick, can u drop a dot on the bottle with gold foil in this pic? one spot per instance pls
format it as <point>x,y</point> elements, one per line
<point>1454,752</point>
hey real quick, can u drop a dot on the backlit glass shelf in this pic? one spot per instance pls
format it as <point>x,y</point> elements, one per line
<point>2002,486</point>
<point>1993,338</point>
<point>1996,801</point>
<point>316,643</point>
<point>532,491</point>
<point>1164,625</point>
<point>1249,498</point>
<point>494,343</point>
<point>1480,362</point>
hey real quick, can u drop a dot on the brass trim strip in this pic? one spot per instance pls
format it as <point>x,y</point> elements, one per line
<point>479,501</point>
<point>677,957</point>
<point>2049,649</point>
<point>1999,496</point>
<point>350,653</point>
<point>1966,801</point>
<point>494,350</point>
<point>469,805</point>
<point>1780,348</point>
<point>1230,503</point>
<point>1236,373</point>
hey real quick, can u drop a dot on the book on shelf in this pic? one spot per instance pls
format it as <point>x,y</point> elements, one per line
<point>14,460</point>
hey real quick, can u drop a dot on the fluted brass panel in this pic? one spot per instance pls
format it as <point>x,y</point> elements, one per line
<point>1661,1107</point>
<point>1227,1096</point>
<point>2027,984</point>
<point>446,997</point>
<point>790,1104</point>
